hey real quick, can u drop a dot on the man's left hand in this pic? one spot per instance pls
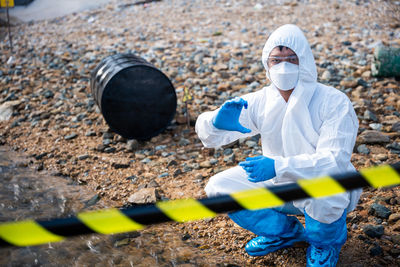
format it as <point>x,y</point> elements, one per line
<point>259,168</point>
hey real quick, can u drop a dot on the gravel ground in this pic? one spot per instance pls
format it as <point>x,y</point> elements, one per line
<point>213,48</point>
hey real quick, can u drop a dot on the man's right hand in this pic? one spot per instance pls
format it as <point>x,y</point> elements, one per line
<point>228,116</point>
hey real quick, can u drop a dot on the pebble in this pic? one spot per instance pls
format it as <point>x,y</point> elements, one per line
<point>380,211</point>
<point>373,230</point>
<point>395,127</point>
<point>70,136</point>
<point>369,115</point>
<point>376,250</point>
<point>363,149</point>
<point>90,133</point>
<point>372,137</point>
<point>394,217</point>
<point>110,149</point>
<point>83,157</point>
<point>375,126</point>
<point>144,196</point>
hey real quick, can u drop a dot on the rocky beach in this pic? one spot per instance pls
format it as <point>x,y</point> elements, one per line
<point>213,49</point>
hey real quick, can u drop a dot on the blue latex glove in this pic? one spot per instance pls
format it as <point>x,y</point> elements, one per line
<point>228,116</point>
<point>259,168</point>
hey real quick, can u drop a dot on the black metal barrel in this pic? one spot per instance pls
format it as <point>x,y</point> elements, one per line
<point>136,99</point>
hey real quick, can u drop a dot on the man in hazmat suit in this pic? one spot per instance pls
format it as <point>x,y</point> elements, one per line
<point>307,130</point>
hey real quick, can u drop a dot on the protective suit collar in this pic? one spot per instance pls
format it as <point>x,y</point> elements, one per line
<point>298,134</point>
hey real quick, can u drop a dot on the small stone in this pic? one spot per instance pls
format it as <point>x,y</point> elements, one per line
<point>375,126</point>
<point>380,211</point>
<point>363,149</point>
<point>326,75</point>
<point>172,163</point>
<point>396,239</point>
<point>349,84</point>
<point>177,172</point>
<point>144,196</point>
<point>381,157</point>
<point>372,137</point>
<point>92,201</point>
<point>376,250</point>
<point>164,174</point>
<point>213,161</point>
<point>132,145</point>
<point>70,136</point>
<point>205,164</point>
<point>396,127</point>
<point>251,143</point>
<point>121,243</point>
<point>184,142</point>
<point>110,149</point>
<point>120,165</point>
<point>90,133</point>
<point>373,230</point>
<point>230,159</point>
<point>83,157</point>
<point>396,226</point>
<point>394,217</point>
<point>369,115</point>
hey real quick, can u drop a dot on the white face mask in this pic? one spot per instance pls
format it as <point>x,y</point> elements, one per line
<point>284,75</point>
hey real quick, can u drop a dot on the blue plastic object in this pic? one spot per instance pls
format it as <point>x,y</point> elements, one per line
<point>228,116</point>
<point>275,230</point>
<point>259,168</point>
<point>325,241</point>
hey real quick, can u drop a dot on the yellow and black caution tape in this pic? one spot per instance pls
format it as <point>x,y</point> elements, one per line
<point>111,221</point>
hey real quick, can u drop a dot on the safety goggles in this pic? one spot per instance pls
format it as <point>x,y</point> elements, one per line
<point>273,60</point>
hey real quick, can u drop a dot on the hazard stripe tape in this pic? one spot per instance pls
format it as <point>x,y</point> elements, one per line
<point>111,221</point>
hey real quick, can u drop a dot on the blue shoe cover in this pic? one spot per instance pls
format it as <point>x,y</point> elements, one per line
<point>322,257</point>
<point>262,245</point>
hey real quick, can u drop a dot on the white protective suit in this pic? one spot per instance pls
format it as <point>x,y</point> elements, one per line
<point>312,134</point>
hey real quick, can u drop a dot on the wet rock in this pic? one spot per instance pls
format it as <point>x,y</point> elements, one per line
<point>380,211</point>
<point>373,137</point>
<point>373,230</point>
<point>144,196</point>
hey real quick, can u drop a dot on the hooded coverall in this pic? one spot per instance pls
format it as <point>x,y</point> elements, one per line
<point>313,134</point>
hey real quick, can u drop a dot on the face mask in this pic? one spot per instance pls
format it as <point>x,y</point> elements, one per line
<point>284,75</point>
